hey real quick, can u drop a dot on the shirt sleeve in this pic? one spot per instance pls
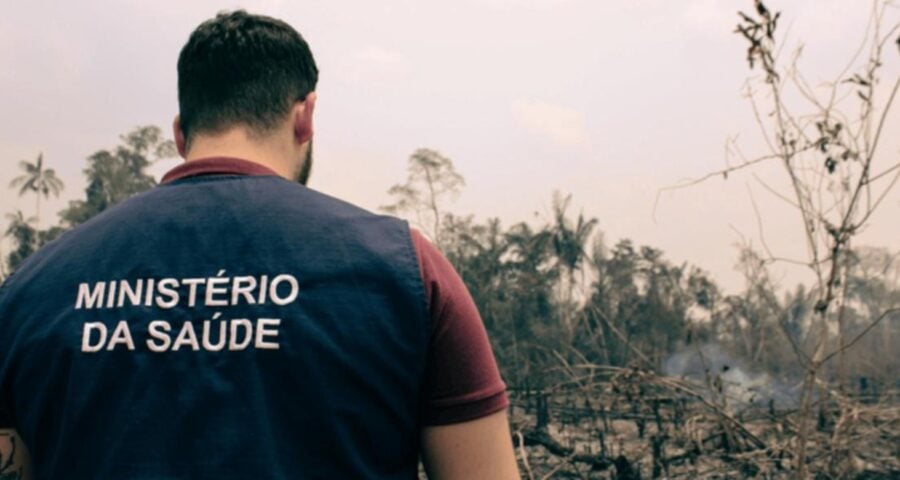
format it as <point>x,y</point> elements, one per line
<point>462,381</point>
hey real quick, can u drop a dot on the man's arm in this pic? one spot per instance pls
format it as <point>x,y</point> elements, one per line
<point>474,450</point>
<point>465,434</point>
<point>15,463</point>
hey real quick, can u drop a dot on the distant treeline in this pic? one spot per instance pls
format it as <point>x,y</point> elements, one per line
<point>557,294</point>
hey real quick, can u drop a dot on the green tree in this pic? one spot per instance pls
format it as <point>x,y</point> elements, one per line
<point>114,175</point>
<point>643,308</point>
<point>569,241</point>
<point>38,179</point>
<point>873,287</point>
<point>431,179</point>
<point>511,276</point>
<point>24,236</point>
<point>531,276</point>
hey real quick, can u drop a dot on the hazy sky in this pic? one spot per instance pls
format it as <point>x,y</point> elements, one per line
<point>609,101</point>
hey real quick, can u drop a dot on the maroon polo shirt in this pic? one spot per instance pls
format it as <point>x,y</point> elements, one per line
<point>462,381</point>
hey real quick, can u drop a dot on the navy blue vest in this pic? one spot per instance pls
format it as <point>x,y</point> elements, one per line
<point>226,327</point>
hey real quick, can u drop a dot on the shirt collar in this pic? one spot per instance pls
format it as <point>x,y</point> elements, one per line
<point>216,166</point>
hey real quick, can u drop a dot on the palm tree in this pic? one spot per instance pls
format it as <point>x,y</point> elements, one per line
<point>569,248</point>
<point>24,236</point>
<point>569,241</point>
<point>18,223</point>
<point>42,181</point>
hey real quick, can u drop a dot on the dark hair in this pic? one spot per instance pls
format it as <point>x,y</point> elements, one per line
<point>242,69</point>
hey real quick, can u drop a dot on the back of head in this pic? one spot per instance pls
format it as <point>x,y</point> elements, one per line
<point>240,69</point>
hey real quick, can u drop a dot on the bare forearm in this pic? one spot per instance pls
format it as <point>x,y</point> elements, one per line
<point>14,459</point>
<point>478,449</point>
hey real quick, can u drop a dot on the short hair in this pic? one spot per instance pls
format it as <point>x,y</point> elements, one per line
<point>240,69</point>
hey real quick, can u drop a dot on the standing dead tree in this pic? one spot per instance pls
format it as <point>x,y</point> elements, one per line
<point>837,174</point>
<point>828,140</point>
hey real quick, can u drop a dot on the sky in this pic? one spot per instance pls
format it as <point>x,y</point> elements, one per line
<point>610,102</point>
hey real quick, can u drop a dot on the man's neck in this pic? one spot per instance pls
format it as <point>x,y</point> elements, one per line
<point>235,143</point>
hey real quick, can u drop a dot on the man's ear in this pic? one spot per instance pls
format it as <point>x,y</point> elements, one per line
<point>303,118</point>
<point>179,136</point>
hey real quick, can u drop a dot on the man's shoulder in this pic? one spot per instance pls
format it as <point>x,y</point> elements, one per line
<point>256,202</point>
<point>64,251</point>
<point>272,193</point>
<point>205,196</point>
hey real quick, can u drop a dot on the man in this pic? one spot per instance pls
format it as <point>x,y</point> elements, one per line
<point>234,324</point>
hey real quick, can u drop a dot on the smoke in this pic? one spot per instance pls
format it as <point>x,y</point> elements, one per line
<point>736,381</point>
